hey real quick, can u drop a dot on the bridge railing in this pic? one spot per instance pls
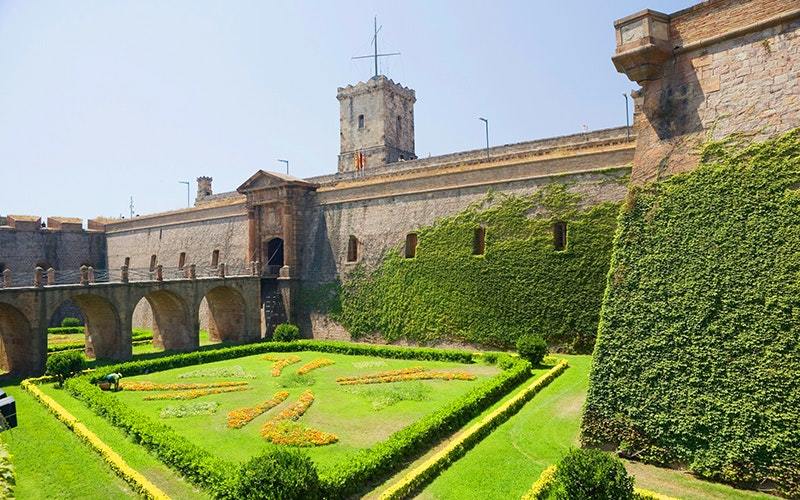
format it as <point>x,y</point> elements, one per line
<point>87,275</point>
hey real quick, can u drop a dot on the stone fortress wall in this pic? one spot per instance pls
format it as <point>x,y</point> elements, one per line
<point>717,68</point>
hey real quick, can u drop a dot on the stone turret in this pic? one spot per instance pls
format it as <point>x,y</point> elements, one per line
<point>203,188</point>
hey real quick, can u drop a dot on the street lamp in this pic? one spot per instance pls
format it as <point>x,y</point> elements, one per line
<point>187,192</point>
<point>486,122</point>
<point>287,165</point>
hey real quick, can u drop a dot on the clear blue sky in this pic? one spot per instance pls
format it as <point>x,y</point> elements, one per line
<point>102,100</point>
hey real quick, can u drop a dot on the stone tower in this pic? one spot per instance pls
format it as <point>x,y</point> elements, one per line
<point>376,120</point>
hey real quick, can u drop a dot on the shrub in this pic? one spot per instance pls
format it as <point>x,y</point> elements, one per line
<point>65,330</point>
<point>591,474</point>
<point>532,347</point>
<point>278,474</point>
<point>71,322</point>
<point>65,364</point>
<point>286,332</point>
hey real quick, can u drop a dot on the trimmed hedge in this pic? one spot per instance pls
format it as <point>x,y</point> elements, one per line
<point>286,332</point>
<point>219,477</point>
<point>278,474</point>
<point>697,359</point>
<point>138,336</point>
<point>520,284</point>
<point>70,322</point>
<point>7,475</point>
<point>65,330</point>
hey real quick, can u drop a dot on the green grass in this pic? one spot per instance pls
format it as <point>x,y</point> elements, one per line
<point>138,348</point>
<point>51,462</point>
<point>507,462</point>
<point>353,416</point>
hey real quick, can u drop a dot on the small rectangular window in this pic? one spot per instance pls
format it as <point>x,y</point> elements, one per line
<point>479,241</point>
<point>411,245</point>
<point>152,262</point>
<point>560,235</point>
<point>352,249</point>
<point>215,258</point>
<point>182,260</point>
<point>360,121</point>
<point>127,262</point>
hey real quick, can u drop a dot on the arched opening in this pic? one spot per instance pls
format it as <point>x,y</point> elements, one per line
<point>167,315</point>
<point>411,245</point>
<point>273,251</point>
<point>223,315</point>
<point>19,350</point>
<point>102,334</point>
<point>352,249</point>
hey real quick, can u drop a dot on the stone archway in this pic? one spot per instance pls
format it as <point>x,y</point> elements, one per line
<point>173,327</point>
<point>19,350</point>
<point>273,255</point>
<point>226,315</point>
<point>103,331</point>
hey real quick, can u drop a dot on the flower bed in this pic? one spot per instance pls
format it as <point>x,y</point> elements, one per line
<point>313,365</point>
<point>281,363</point>
<point>194,393</point>
<point>283,429</point>
<point>222,372</point>
<point>420,375</point>
<point>387,373</point>
<point>240,417</point>
<point>151,386</point>
<point>190,409</point>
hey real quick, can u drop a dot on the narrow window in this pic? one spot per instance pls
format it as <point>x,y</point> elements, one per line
<point>411,245</point>
<point>560,235</point>
<point>182,260</point>
<point>215,258</point>
<point>2,267</point>
<point>127,262</point>
<point>352,249</point>
<point>399,126</point>
<point>152,263</point>
<point>360,121</point>
<point>479,241</point>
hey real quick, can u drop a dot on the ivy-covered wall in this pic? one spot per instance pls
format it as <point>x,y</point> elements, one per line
<point>697,362</point>
<point>521,283</point>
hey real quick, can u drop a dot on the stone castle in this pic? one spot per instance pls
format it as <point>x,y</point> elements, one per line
<point>719,67</point>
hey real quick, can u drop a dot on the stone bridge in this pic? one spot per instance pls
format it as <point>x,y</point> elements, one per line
<point>233,303</point>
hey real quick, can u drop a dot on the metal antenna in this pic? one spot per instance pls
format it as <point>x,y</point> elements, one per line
<point>131,207</point>
<point>287,165</point>
<point>375,54</point>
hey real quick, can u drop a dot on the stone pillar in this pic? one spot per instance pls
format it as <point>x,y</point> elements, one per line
<point>221,270</point>
<point>159,273</point>
<point>255,268</point>
<point>84,275</point>
<point>252,236</point>
<point>192,272</point>
<point>51,277</point>
<point>37,277</point>
<point>124,274</point>
<point>7,279</point>
<point>90,274</point>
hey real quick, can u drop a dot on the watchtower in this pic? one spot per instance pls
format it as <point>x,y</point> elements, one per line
<point>376,120</point>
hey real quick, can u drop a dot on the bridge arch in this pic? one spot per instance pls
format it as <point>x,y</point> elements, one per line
<point>20,353</point>
<point>105,337</point>
<point>174,328</point>
<point>227,315</point>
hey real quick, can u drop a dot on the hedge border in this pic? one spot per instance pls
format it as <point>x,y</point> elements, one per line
<point>432,467</point>
<point>216,475</point>
<point>114,460</point>
<point>541,488</point>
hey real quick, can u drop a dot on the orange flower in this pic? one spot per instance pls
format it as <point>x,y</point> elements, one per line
<point>152,386</point>
<point>242,416</point>
<point>282,428</point>
<point>280,363</point>
<point>389,373</point>
<point>313,365</point>
<point>405,377</point>
<point>194,393</point>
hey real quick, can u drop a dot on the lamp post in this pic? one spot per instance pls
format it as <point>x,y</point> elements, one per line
<point>486,123</point>
<point>287,165</point>
<point>188,204</point>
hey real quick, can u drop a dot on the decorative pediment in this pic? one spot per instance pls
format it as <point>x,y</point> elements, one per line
<point>267,180</point>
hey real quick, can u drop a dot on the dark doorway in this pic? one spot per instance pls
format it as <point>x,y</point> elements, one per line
<point>274,255</point>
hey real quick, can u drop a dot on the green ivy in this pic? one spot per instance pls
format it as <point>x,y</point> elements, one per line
<point>698,357</point>
<point>521,284</point>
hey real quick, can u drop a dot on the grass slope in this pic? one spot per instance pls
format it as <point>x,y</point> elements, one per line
<point>51,462</point>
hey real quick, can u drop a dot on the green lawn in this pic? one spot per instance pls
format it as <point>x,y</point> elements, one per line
<point>51,462</point>
<point>507,462</point>
<point>138,348</point>
<point>357,415</point>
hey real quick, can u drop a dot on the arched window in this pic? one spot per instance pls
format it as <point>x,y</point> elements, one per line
<point>352,249</point>
<point>215,258</point>
<point>411,245</point>
<point>182,260</point>
<point>360,121</point>
<point>153,262</point>
<point>560,235</point>
<point>479,241</point>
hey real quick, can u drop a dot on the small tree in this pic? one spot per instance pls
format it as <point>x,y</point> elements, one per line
<point>590,474</point>
<point>70,322</point>
<point>65,364</point>
<point>278,474</point>
<point>532,347</point>
<point>286,332</point>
